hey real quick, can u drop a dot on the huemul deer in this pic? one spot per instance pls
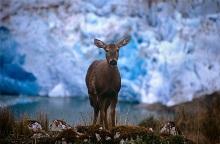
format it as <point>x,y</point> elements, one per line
<point>103,81</point>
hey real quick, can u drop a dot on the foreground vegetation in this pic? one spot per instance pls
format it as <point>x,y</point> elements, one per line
<point>197,122</point>
<point>17,131</point>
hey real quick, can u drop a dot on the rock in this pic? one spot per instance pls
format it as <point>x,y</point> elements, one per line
<point>40,135</point>
<point>59,125</point>
<point>122,141</point>
<point>100,128</point>
<point>170,129</point>
<point>98,137</point>
<point>117,135</point>
<point>108,138</point>
<point>34,126</point>
<point>151,130</point>
<point>69,135</point>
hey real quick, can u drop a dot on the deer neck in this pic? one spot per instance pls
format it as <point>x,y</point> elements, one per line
<point>113,73</point>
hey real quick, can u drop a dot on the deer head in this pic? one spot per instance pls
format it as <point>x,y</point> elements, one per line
<point>112,50</point>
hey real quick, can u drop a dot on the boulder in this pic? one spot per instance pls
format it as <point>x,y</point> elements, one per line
<point>59,125</point>
<point>34,126</point>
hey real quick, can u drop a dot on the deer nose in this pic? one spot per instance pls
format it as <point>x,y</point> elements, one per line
<point>113,62</point>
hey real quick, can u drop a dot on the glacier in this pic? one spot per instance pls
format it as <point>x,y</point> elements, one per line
<point>173,56</point>
<point>13,78</point>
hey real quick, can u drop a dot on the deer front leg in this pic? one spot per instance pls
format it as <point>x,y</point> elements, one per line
<point>102,114</point>
<point>107,103</point>
<point>113,106</point>
<point>94,103</point>
<point>96,113</point>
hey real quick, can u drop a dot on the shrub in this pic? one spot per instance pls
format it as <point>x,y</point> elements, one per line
<point>210,127</point>
<point>176,140</point>
<point>151,139</point>
<point>6,122</point>
<point>151,122</point>
<point>199,119</point>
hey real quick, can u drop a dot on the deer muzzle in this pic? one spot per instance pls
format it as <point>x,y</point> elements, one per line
<point>113,62</point>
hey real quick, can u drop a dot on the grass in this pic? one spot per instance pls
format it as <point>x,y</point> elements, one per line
<point>6,122</point>
<point>16,131</point>
<point>11,130</point>
<point>198,121</point>
<point>43,120</point>
<point>153,123</point>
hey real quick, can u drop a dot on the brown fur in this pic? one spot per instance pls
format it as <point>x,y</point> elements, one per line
<point>103,81</point>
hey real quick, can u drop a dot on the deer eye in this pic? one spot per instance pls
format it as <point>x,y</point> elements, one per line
<point>107,50</point>
<point>117,50</point>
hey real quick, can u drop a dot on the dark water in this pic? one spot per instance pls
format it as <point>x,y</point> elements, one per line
<point>72,110</point>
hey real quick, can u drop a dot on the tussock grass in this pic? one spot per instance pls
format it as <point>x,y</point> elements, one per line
<point>6,122</point>
<point>200,119</point>
<point>16,131</point>
<point>153,123</point>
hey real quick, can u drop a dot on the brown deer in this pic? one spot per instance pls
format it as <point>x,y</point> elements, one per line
<point>103,81</point>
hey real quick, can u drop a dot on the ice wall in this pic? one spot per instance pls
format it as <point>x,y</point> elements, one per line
<point>174,53</point>
<point>13,78</point>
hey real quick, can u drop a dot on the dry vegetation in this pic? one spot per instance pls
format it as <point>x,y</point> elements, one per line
<point>198,120</point>
<point>16,131</point>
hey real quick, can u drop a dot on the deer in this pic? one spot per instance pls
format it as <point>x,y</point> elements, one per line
<point>103,82</point>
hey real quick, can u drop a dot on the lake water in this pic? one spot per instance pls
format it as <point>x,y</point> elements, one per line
<point>72,110</point>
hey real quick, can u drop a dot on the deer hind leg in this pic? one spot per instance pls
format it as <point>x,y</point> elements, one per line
<point>113,106</point>
<point>96,114</point>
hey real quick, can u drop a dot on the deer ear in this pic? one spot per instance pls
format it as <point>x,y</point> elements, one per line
<point>99,43</point>
<point>123,42</point>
